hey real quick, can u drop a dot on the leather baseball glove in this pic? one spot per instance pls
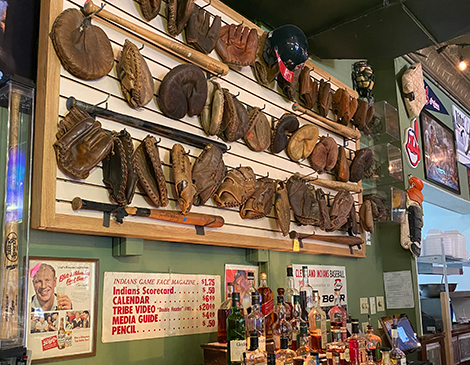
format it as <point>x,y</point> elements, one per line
<point>303,201</point>
<point>363,115</point>
<point>258,137</point>
<point>342,165</point>
<point>208,172</point>
<point>340,209</point>
<point>302,142</point>
<point>324,98</point>
<point>134,75</point>
<point>149,8</point>
<point>365,216</point>
<point>289,88</point>
<point>308,88</point>
<point>148,167</point>
<point>362,162</point>
<point>287,124</point>
<point>236,188</point>
<point>237,45</point>
<point>264,73</point>
<point>282,208</point>
<point>325,223</point>
<point>81,144</point>
<point>181,167</point>
<point>378,206</point>
<point>119,176</point>
<point>324,155</point>
<point>200,33</point>
<point>178,12</point>
<point>213,111</point>
<point>259,205</point>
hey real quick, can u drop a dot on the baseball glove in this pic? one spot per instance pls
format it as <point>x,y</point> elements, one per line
<point>308,88</point>
<point>340,104</point>
<point>148,167</point>
<point>208,172</point>
<point>264,73</point>
<point>119,176</point>
<point>237,45</point>
<point>287,124</point>
<point>178,12</point>
<point>259,205</point>
<point>258,137</point>
<point>302,142</point>
<point>362,162</point>
<point>83,49</point>
<point>236,188</point>
<point>324,155</point>
<point>342,165</point>
<point>340,209</point>
<point>378,206</point>
<point>282,208</point>
<point>134,75</point>
<point>81,144</point>
<point>244,121</point>
<point>353,225</point>
<point>303,201</point>
<point>324,98</point>
<point>363,115</point>
<point>235,118</point>
<point>181,167</point>
<point>150,8</point>
<point>200,33</point>
<point>325,223</point>
<point>365,216</point>
<point>289,88</point>
<point>213,111</point>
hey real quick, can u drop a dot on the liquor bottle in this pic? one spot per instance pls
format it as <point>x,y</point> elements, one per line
<point>307,288</point>
<point>68,334</point>
<point>313,358</point>
<point>357,345</point>
<point>61,335</point>
<point>385,351</point>
<point>255,355</point>
<point>255,322</point>
<point>222,314</point>
<point>299,361</point>
<point>373,342</point>
<point>337,346</point>
<point>285,356</point>
<point>338,315</point>
<point>282,328</point>
<point>267,306</point>
<point>317,325</point>
<point>271,358</point>
<point>397,356</point>
<point>246,301</point>
<point>303,342</point>
<point>295,321</point>
<point>290,292</point>
<point>303,306</point>
<point>370,357</point>
<point>236,336</point>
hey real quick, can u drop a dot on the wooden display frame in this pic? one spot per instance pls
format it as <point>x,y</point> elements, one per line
<point>44,215</point>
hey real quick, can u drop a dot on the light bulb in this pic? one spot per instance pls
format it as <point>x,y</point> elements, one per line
<point>462,64</point>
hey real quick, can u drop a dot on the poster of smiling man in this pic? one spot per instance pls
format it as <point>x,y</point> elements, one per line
<point>462,135</point>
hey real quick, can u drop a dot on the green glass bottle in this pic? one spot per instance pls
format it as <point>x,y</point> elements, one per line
<point>236,340</point>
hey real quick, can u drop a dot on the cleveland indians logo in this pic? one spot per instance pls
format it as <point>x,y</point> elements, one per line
<point>411,145</point>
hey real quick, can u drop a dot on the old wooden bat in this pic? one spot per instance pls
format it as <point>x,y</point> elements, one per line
<point>332,184</point>
<point>344,240</point>
<point>193,219</point>
<point>327,123</point>
<point>179,49</point>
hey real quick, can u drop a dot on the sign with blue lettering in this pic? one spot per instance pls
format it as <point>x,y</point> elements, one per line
<point>432,101</point>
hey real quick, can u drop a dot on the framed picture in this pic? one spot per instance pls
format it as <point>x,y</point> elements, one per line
<point>238,276</point>
<point>440,159</point>
<point>62,308</point>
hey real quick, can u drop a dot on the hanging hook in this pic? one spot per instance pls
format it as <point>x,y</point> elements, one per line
<point>205,6</point>
<point>141,48</point>
<point>104,101</point>
<point>159,140</point>
<point>236,96</point>
<point>264,107</point>
<point>267,174</point>
<point>229,147</point>
<point>239,25</point>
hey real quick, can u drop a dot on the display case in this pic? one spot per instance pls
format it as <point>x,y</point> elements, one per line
<point>393,199</point>
<point>387,167</point>
<point>16,115</point>
<point>385,127</point>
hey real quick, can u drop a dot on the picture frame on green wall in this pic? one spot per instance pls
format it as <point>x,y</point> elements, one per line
<point>440,157</point>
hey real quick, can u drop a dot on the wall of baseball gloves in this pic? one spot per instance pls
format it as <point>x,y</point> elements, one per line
<point>264,168</point>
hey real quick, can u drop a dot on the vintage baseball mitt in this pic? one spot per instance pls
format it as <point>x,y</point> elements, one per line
<point>148,167</point>
<point>178,13</point>
<point>282,207</point>
<point>302,142</point>
<point>83,49</point>
<point>353,224</point>
<point>183,91</point>
<point>181,167</point>
<point>237,45</point>
<point>119,176</point>
<point>208,172</point>
<point>289,88</point>
<point>340,209</point>
<point>264,73</point>
<point>149,8</point>
<point>244,122</point>
<point>325,223</point>
<point>303,201</point>
<point>258,136</point>
<point>81,144</point>
<point>259,205</point>
<point>324,155</point>
<point>363,115</point>
<point>237,186</point>
<point>324,98</point>
<point>365,216</point>
<point>134,75</point>
<point>199,31</point>
<point>308,88</point>
<point>362,162</point>
<point>342,165</point>
<point>213,111</point>
<point>287,124</point>
<point>378,206</point>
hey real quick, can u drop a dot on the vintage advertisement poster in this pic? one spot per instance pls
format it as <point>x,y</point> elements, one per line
<point>139,306</point>
<point>325,279</point>
<point>238,275</point>
<point>462,135</point>
<point>61,307</point>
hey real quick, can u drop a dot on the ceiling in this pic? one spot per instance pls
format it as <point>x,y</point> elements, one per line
<point>362,29</point>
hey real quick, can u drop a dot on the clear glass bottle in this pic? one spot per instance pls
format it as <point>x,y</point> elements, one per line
<point>307,288</point>
<point>255,355</point>
<point>246,302</point>
<point>295,321</point>
<point>236,335</point>
<point>370,358</point>
<point>255,322</point>
<point>337,346</point>
<point>290,291</point>
<point>385,351</point>
<point>61,335</point>
<point>338,315</point>
<point>285,356</point>
<point>317,325</point>
<point>313,358</point>
<point>282,328</point>
<point>267,306</point>
<point>373,342</point>
<point>303,342</point>
<point>357,345</point>
<point>222,314</point>
<point>303,306</point>
<point>397,356</point>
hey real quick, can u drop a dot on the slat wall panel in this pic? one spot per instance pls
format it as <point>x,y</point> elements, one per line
<point>256,233</point>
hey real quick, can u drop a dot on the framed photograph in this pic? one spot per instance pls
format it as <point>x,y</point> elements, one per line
<point>62,308</point>
<point>238,275</point>
<point>440,158</point>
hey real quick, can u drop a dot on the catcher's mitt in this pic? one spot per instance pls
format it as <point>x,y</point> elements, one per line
<point>289,88</point>
<point>134,75</point>
<point>200,33</point>
<point>83,49</point>
<point>282,208</point>
<point>181,167</point>
<point>81,144</point>
<point>303,201</point>
<point>237,186</point>
<point>287,124</point>
<point>302,142</point>
<point>324,98</point>
<point>258,136</point>
<point>178,12</point>
<point>213,111</point>
<point>342,165</point>
<point>324,155</point>
<point>237,45</point>
<point>183,90</point>
<point>365,216</point>
<point>208,172</point>
<point>340,209</point>
<point>148,167</point>
<point>119,176</point>
<point>361,164</point>
<point>259,205</point>
<point>264,73</point>
<point>149,8</point>
<point>308,88</point>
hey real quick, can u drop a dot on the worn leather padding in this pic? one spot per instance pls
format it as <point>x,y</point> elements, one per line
<point>208,172</point>
<point>340,209</point>
<point>318,157</point>
<point>83,49</point>
<point>302,142</point>
<point>259,205</point>
<point>150,8</point>
<point>183,90</point>
<point>332,152</point>
<point>282,208</point>
<point>182,175</point>
<point>199,31</point>
<point>237,45</point>
<point>258,137</point>
<point>362,162</point>
<point>286,125</point>
<point>413,82</point>
<point>303,201</point>
<point>178,13</point>
<point>237,186</point>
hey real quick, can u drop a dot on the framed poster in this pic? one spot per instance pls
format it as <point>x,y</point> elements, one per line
<point>62,308</point>
<point>440,158</point>
<point>238,275</point>
<point>462,135</point>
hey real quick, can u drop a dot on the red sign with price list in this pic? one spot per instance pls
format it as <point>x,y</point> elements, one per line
<point>148,305</point>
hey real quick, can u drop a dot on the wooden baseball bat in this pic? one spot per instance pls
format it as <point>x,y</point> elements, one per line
<point>157,40</point>
<point>193,219</point>
<point>9,311</point>
<point>344,240</point>
<point>328,124</point>
<point>332,184</point>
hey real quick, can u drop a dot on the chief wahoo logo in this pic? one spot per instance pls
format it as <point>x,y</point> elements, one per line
<point>411,145</point>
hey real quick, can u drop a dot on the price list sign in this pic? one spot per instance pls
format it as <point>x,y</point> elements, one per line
<point>147,305</point>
